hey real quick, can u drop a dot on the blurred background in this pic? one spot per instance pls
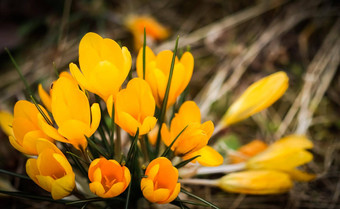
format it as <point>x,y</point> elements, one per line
<point>234,43</point>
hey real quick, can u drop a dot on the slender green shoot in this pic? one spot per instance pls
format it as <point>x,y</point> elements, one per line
<point>183,163</point>
<point>41,111</point>
<point>14,174</point>
<point>167,150</point>
<point>199,198</point>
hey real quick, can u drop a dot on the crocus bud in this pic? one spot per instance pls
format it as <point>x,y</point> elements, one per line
<point>135,107</point>
<point>104,65</point>
<point>157,69</point>
<point>256,182</point>
<point>51,170</point>
<point>160,184</point>
<point>25,126</point>
<point>108,178</point>
<point>194,137</point>
<point>257,97</point>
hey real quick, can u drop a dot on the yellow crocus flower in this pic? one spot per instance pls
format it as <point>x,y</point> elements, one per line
<point>104,65</point>
<point>6,121</point>
<point>51,170</point>
<point>257,97</point>
<point>153,29</point>
<point>208,156</point>
<point>26,128</point>
<point>135,107</point>
<point>161,182</point>
<point>108,178</point>
<point>258,182</point>
<point>157,70</point>
<point>194,137</point>
<point>285,155</point>
<point>72,113</point>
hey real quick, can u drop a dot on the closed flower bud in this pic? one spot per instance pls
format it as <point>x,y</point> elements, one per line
<point>285,155</point>
<point>160,184</point>
<point>257,97</point>
<point>51,170</point>
<point>258,182</point>
<point>25,126</point>
<point>108,178</point>
<point>104,65</point>
<point>135,107</point>
<point>194,137</point>
<point>72,113</point>
<point>157,69</point>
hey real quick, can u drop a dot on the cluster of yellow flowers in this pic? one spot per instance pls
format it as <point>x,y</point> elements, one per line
<point>70,118</point>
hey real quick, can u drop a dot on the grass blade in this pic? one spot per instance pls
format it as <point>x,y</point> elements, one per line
<point>14,174</point>
<point>167,150</point>
<point>183,163</point>
<point>199,198</point>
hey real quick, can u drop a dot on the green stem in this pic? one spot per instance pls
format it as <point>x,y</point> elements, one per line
<point>144,148</point>
<point>14,174</point>
<point>118,144</point>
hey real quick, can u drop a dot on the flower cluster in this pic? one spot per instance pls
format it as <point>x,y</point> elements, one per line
<point>89,133</point>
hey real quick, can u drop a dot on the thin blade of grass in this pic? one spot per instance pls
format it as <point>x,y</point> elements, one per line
<point>95,147</point>
<point>32,197</point>
<point>167,150</point>
<point>199,198</point>
<point>40,110</point>
<point>183,163</point>
<point>14,174</point>
<point>166,96</point>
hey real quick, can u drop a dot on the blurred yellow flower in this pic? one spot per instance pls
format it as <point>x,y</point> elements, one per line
<point>71,111</point>
<point>153,29</point>
<point>104,65</point>
<point>135,107</point>
<point>194,137</point>
<point>248,150</point>
<point>108,178</point>
<point>285,155</point>
<point>51,170</point>
<point>25,126</point>
<point>257,182</point>
<point>157,69</point>
<point>257,97</point>
<point>6,121</point>
<point>160,184</point>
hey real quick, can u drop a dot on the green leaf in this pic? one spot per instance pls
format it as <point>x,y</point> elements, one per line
<point>95,147</point>
<point>167,150</point>
<point>32,197</point>
<point>14,174</point>
<point>133,147</point>
<point>166,96</point>
<point>183,163</point>
<point>40,110</point>
<point>199,198</point>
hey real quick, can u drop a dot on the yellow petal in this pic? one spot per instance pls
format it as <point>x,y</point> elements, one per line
<point>6,121</point>
<point>95,113</point>
<point>298,175</point>
<point>97,188</point>
<point>258,182</point>
<point>74,131</point>
<point>149,56</point>
<point>109,105</point>
<point>208,157</point>
<point>45,182</point>
<point>32,169</point>
<point>43,144</point>
<point>257,97</point>
<point>115,190</point>
<point>45,98</point>
<point>173,195</point>
<point>50,130</point>
<point>148,124</point>
<point>30,141</point>
<point>80,78</point>
<point>63,187</point>
<point>127,122</point>
<point>161,195</point>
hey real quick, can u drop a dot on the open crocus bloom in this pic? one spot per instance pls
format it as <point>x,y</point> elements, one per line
<point>51,170</point>
<point>256,182</point>
<point>157,69</point>
<point>25,126</point>
<point>257,97</point>
<point>194,137</point>
<point>135,107</point>
<point>71,111</point>
<point>160,184</point>
<point>285,155</point>
<point>104,65</point>
<point>153,29</point>
<point>108,178</point>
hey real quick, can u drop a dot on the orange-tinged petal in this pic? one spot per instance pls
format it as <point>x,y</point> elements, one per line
<point>74,131</point>
<point>190,112</point>
<point>152,135</point>
<point>97,188</point>
<point>30,141</point>
<point>93,166</point>
<point>61,159</point>
<point>43,144</point>
<point>63,187</point>
<point>256,182</point>
<point>174,194</point>
<point>161,195</point>
<point>257,97</point>
<point>6,121</point>
<point>208,157</point>
<point>115,190</point>
<point>16,145</point>
<point>21,126</point>
<point>248,150</point>
<point>45,98</point>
